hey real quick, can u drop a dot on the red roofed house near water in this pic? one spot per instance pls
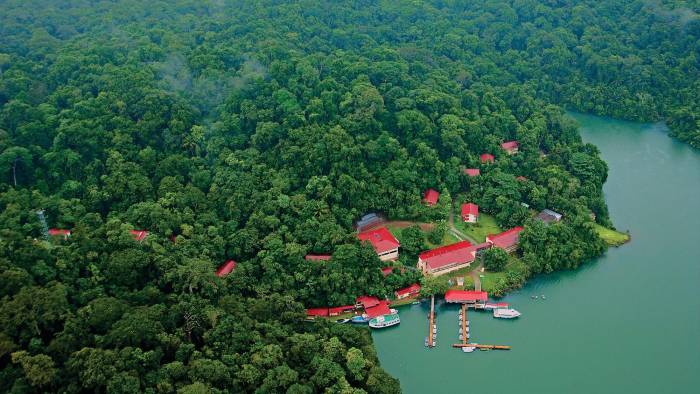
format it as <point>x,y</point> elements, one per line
<point>317,257</point>
<point>447,258</point>
<point>226,268</point>
<point>382,308</point>
<point>139,235</point>
<point>511,147</point>
<point>409,291</point>
<point>317,312</point>
<point>383,242</point>
<point>57,232</point>
<point>470,213</point>
<point>472,171</point>
<point>487,158</point>
<point>335,311</point>
<point>431,197</point>
<point>366,301</point>
<point>507,240</point>
<point>465,296</point>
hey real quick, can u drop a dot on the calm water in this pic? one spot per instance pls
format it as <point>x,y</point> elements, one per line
<point>627,322</point>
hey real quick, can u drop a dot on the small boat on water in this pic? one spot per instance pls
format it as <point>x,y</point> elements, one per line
<point>506,313</point>
<point>385,321</point>
<point>468,349</point>
<point>359,320</point>
<point>415,303</point>
<point>426,341</point>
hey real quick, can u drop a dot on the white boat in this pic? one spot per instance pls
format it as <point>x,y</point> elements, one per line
<point>506,313</point>
<point>384,321</point>
<point>393,311</point>
<point>468,349</point>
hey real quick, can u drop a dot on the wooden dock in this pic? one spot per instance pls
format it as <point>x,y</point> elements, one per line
<point>431,322</point>
<point>465,340</point>
<point>465,336</point>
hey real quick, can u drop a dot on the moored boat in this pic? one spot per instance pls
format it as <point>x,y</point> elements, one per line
<point>385,321</point>
<point>342,321</point>
<point>468,349</point>
<point>359,320</point>
<point>506,313</point>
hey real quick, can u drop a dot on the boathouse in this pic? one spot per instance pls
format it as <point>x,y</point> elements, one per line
<point>431,196</point>
<point>511,147</point>
<point>226,268</point>
<point>472,172</point>
<point>487,158</point>
<point>447,258</point>
<point>383,242</point>
<point>465,296</point>
<point>470,213</point>
<point>410,291</point>
<point>507,240</point>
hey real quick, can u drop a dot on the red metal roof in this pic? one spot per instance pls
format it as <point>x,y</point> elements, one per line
<point>472,171</point>
<point>520,178</point>
<point>380,238</point>
<point>340,309</point>
<point>367,301</point>
<point>431,197</point>
<point>510,145</point>
<point>317,257</point>
<point>317,312</point>
<point>465,296</point>
<point>139,235</point>
<point>226,268</point>
<point>456,253</point>
<point>470,209</point>
<point>505,239</point>
<point>58,231</point>
<point>387,270</point>
<point>412,289</point>
<point>380,309</point>
<point>487,158</point>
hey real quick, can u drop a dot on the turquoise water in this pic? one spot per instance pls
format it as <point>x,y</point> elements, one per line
<point>626,322</point>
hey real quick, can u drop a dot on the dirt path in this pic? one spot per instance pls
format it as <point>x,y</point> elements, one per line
<point>457,233</point>
<point>475,276</point>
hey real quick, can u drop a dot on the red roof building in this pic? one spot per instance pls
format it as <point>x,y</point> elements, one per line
<point>139,235</point>
<point>226,268</point>
<point>447,258</point>
<point>487,158</point>
<point>409,291</point>
<point>520,178</point>
<point>57,232</point>
<point>470,213</point>
<point>383,242</point>
<point>317,312</point>
<point>386,271</point>
<point>472,171</point>
<point>317,257</point>
<point>382,308</point>
<point>511,147</point>
<point>366,301</point>
<point>335,311</point>
<point>465,296</point>
<point>431,197</point>
<point>507,240</point>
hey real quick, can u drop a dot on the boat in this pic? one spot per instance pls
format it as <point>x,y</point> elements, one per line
<point>543,297</point>
<point>393,311</point>
<point>468,349</point>
<point>415,303</point>
<point>506,313</point>
<point>342,321</point>
<point>359,320</point>
<point>426,341</point>
<point>385,321</point>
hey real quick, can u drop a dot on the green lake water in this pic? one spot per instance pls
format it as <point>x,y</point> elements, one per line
<point>628,322</point>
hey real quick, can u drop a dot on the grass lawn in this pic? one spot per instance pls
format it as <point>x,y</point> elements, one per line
<point>479,230</point>
<point>446,240</point>
<point>611,237</point>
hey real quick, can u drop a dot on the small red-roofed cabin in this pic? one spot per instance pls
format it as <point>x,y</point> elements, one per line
<point>487,158</point>
<point>226,268</point>
<point>381,309</point>
<point>317,257</point>
<point>383,242</point>
<point>507,240</point>
<point>472,172</point>
<point>430,197</point>
<point>139,235</point>
<point>410,291</point>
<point>520,178</point>
<point>447,258</point>
<point>466,296</point>
<point>470,213</point>
<point>317,312</point>
<point>511,147</point>
<point>57,232</point>
<point>386,271</point>
<point>338,310</point>
<point>366,301</point>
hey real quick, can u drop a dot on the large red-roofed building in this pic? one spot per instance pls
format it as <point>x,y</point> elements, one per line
<point>446,259</point>
<point>511,147</point>
<point>470,212</point>
<point>487,158</point>
<point>383,242</point>
<point>335,311</point>
<point>507,240</point>
<point>410,291</point>
<point>226,268</point>
<point>366,301</point>
<point>382,308</point>
<point>466,296</point>
<point>317,312</point>
<point>431,196</point>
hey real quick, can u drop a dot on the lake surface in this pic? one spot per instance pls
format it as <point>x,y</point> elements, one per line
<point>626,322</point>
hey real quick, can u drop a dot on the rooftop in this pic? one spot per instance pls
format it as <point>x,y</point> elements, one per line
<point>472,171</point>
<point>317,257</point>
<point>470,209</point>
<point>226,268</point>
<point>510,145</point>
<point>456,253</point>
<point>414,288</point>
<point>382,308</point>
<point>367,301</point>
<point>465,296</point>
<point>380,238</point>
<point>487,158</point>
<point>431,197</point>
<point>505,239</point>
<point>139,235</point>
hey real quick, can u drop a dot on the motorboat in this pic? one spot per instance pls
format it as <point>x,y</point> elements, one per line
<point>506,313</point>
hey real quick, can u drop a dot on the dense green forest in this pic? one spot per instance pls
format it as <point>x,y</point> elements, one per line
<point>259,131</point>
